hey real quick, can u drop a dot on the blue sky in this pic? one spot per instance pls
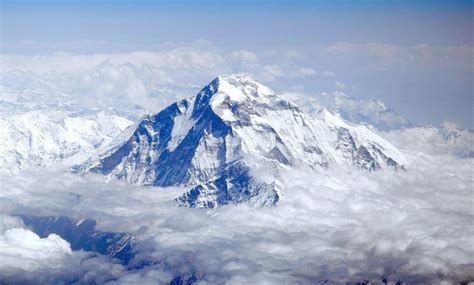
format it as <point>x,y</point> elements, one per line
<point>243,23</point>
<point>420,59</point>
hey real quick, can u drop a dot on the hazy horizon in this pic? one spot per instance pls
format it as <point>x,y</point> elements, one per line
<point>417,57</point>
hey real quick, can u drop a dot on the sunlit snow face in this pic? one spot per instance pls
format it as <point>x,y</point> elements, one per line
<point>338,225</point>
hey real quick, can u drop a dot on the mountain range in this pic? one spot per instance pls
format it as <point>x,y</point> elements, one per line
<point>366,112</point>
<point>40,138</point>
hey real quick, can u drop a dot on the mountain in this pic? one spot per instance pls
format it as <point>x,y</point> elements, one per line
<point>215,142</point>
<point>46,137</point>
<point>369,112</point>
<point>445,139</point>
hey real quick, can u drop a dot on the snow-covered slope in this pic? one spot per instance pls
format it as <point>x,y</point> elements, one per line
<point>445,139</point>
<point>367,112</point>
<point>213,141</point>
<point>45,137</point>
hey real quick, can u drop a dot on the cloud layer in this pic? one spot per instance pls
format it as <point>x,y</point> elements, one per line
<point>149,79</point>
<point>433,79</point>
<point>341,225</point>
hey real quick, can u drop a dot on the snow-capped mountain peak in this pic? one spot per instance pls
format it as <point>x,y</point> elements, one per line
<point>211,141</point>
<point>227,91</point>
<point>239,87</point>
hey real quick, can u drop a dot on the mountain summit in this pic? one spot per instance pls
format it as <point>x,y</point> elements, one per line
<point>214,141</point>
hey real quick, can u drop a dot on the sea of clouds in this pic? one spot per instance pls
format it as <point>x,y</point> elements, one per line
<point>340,225</point>
<point>152,79</point>
<point>147,80</point>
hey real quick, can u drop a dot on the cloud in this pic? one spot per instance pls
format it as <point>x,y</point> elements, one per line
<point>341,225</point>
<point>113,82</point>
<point>23,251</point>
<point>304,71</point>
<point>26,258</point>
<point>149,80</point>
<point>245,55</point>
<point>271,72</point>
<point>379,56</point>
<point>328,74</point>
<point>420,74</point>
<point>340,85</point>
<point>18,245</point>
